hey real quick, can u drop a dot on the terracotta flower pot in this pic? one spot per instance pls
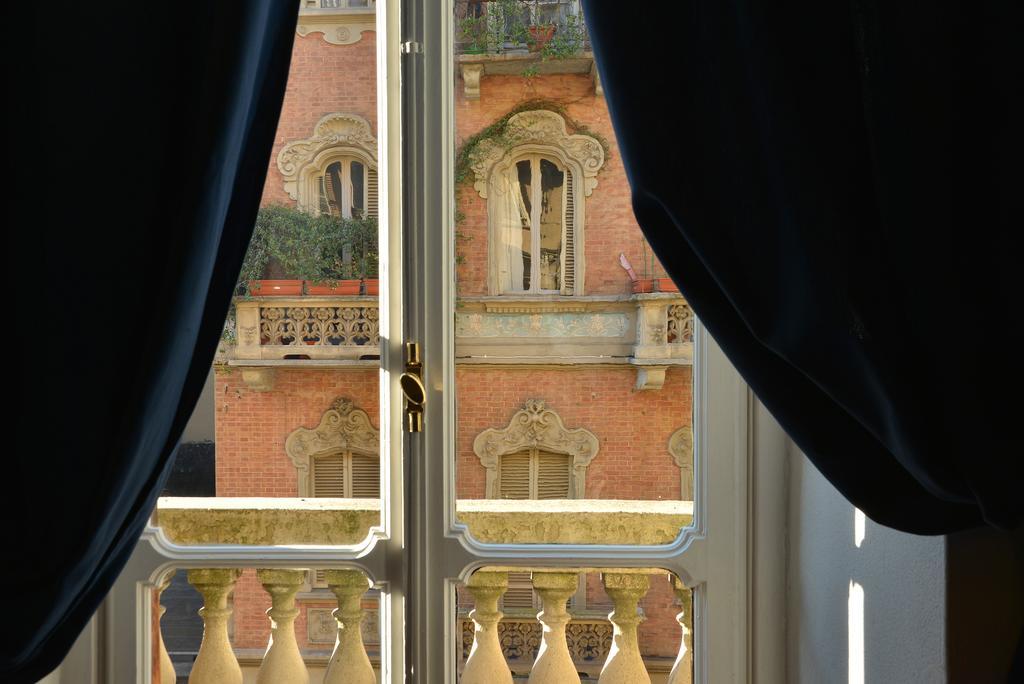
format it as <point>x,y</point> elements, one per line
<point>275,288</point>
<point>666,285</point>
<point>372,286</point>
<point>343,287</point>
<point>540,36</point>
<point>643,285</point>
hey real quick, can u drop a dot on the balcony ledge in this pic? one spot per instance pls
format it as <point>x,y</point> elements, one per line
<point>284,521</point>
<point>473,67</point>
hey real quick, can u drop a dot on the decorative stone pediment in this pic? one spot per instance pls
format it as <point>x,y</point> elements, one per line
<point>342,428</point>
<point>536,427</point>
<point>540,131</point>
<point>334,135</point>
<point>339,26</point>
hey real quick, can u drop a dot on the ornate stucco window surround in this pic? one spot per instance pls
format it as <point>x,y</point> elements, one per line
<point>536,427</point>
<point>538,134</point>
<point>337,137</point>
<point>342,429</point>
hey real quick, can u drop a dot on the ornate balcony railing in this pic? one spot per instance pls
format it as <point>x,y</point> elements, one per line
<point>306,328</point>
<point>649,331</point>
<point>570,643</point>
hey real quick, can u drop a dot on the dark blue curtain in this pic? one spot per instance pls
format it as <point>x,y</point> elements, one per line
<point>835,187</point>
<point>138,146</point>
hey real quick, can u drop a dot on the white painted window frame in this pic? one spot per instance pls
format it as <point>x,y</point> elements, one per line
<point>733,554</point>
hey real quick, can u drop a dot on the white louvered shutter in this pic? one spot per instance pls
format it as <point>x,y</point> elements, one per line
<point>552,481</point>
<point>371,192</point>
<point>519,595</point>
<point>329,476</point>
<point>365,477</point>
<point>514,476</point>
<point>569,237</point>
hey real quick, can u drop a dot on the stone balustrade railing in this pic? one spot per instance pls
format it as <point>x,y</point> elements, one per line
<point>329,327</point>
<point>643,327</point>
<point>347,521</point>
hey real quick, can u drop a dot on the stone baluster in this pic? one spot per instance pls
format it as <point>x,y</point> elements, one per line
<point>682,670</point>
<point>486,663</point>
<point>554,664</point>
<point>216,662</point>
<point>624,664</point>
<point>167,675</point>
<point>282,663</point>
<point>349,663</point>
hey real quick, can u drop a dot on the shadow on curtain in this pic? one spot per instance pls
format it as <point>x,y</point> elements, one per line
<point>830,185</point>
<point>142,133</point>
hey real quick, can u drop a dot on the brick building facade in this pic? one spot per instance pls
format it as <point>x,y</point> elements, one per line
<point>632,405</point>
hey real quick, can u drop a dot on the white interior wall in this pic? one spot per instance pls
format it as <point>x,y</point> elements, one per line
<point>903,582</point>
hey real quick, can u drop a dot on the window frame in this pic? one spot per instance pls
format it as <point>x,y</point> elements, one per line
<point>750,449</point>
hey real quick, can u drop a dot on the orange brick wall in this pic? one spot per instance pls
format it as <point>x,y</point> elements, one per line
<point>251,426</point>
<point>610,226</point>
<point>324,78</point>
<point>632,427</point>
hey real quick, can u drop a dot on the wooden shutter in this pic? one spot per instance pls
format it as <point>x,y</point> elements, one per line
<point>569,239</point>
<point>514,476</point>
<point>371,192</point>
<point>329,475</point>
<point>365,477</point>
<point>520,592</point>
<point>552,476</point>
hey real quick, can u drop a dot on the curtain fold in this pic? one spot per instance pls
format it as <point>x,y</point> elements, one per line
<point>168,115</point>
<point>507,215</point>
<point>834,187</point>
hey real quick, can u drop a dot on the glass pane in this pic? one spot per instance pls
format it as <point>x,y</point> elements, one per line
<point>526,218</point>
<point>505,615</point>
<point>333,190</point>
<point>284,446</point>
<point>552,214</point>
<point>358,189</point>
<point>573,350</point>
<point>291,409</point>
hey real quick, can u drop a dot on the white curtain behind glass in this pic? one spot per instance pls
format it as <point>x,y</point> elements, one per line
<point>506,215</point>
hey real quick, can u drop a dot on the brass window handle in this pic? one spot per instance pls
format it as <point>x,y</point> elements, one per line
<point>413,388</point>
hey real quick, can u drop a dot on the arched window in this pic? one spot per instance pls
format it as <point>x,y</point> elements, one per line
<point>338,458</point>
<point>534,226</point>
<point>536,191</point>
<point>347,188</point>
<point>525,459</point>
<point>335,169</point>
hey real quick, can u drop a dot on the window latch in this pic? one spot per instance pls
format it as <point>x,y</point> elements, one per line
<point>413,388</point>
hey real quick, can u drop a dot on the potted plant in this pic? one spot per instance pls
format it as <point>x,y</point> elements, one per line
<point>473,33</point>
<point>263,273</point>
<point>348,259</point>
<point>540,36</point>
